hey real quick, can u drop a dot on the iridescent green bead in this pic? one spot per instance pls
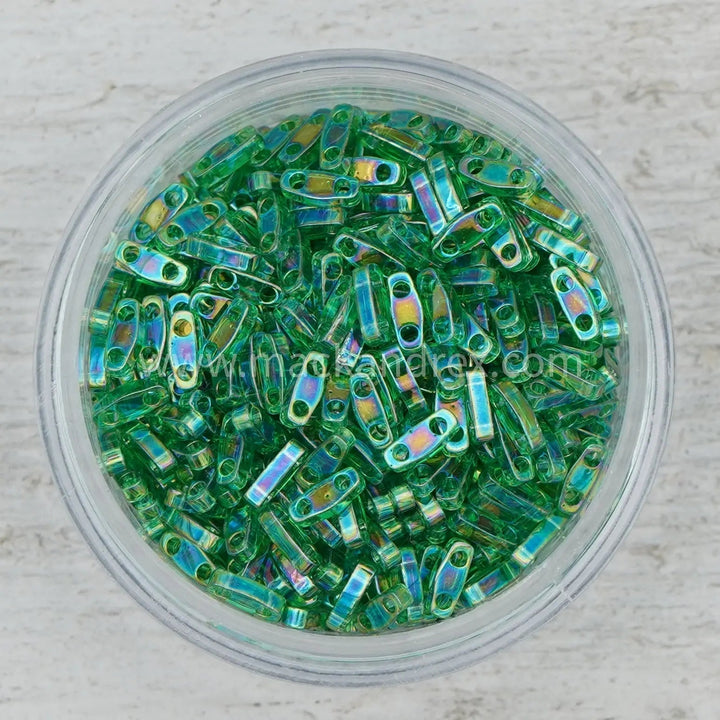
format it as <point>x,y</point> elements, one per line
<point>449,578</point>
<point>275,474</point>
<point>243,536</point>
<point>188,557</point>
<point>250,595</point>
<point>350,596</point>
<point>355,371</point>
<point>327,498</point>
<point>383,610</point>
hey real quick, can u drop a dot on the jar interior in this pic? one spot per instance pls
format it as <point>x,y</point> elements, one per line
<point>152,163</point>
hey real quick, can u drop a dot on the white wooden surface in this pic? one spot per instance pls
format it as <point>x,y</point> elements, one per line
<point>639,82</point>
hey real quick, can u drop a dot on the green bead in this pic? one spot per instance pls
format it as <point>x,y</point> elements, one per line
<point>501,179</point>
<point>337,317</point>
<point>374,172</point>
<point>295,545</point>
<point>371,304</point>
<point>326,498</point>
<point>407,312</point>
<point>243,537</point>
<point>307,392</point>
<point>184,350</point>
<point>274,139</point>
<point>396,144</point>
<point>188,557</point>
<point>191,220</point>
<point>319,188</point>
<point>300,148</point>
<point>325,460</point>
<point>226,157</point>
<point>159,211</point>
<point>192,530</point>
<point>515,414</point>
<point>450,578</point>
<point>421,441</point>
<point>337,134</point>
<point>297,618</point>
<point>247,594</point>
<point>353,527</point>
<point>275,474</point>
<point>442,308</point>
<point>383,550</point>
<point>268,372</point>
<point>150,452</point>
<point>580,478</point>
<point>354,371</point>
<point>412,121</point>
<point>547,210</point>
<point>212,253</point>
<point>490,584</point>
<point>528,550</point>
<point>230,332</point>
<point>300,583</point>
<point>111,454</point>
<point>369,410</point>
<point>383,610</point>
<point>350,596</point>
<point>403,382</point>
<point>481,414</point>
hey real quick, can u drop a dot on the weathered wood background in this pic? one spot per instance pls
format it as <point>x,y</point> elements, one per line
<point>639,82</point>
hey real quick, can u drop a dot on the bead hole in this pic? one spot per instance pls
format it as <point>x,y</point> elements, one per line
<point>170,271</point>
<point>400,453</point>
<point>172,198</point>
<point>362,389</point>
<point>331,153</point>
<point>343,482</point>
<point>438,426</point>
<point>383,172</point>
<point>410,333</point>
<point>303,507</point>
<point>564,283</point>
<point>342,186</point>
<point>182,327</point>
<point>475,166</point>
<point>508,252</point>
<point>130,254</point>
<point>297,180</point>
<point>584,322</point>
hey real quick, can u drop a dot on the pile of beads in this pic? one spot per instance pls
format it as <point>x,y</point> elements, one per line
<point>353,372</point>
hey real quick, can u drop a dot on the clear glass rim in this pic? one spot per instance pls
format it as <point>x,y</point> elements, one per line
<point>443,658</point>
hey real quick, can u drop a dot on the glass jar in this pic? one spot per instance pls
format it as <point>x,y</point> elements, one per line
<point>266,92</point>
